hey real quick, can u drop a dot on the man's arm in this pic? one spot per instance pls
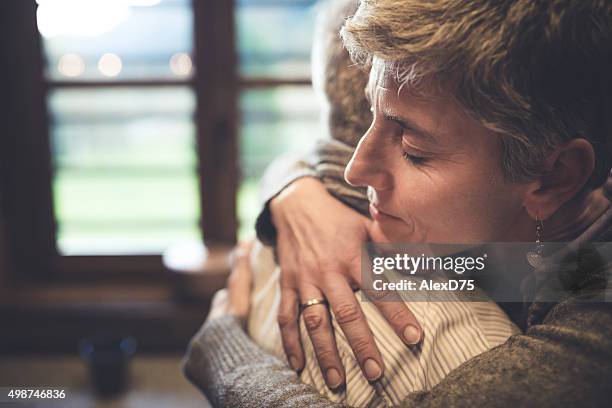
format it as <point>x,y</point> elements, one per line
<point>283,171</point>
<point>325,163</point>
<point>321,229</point>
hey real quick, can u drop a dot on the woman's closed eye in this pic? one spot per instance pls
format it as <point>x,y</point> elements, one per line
<point>413,155</point>
<point>415,160</point>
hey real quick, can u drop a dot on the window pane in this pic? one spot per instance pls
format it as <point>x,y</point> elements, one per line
<point>125,169</point>
<point>275,37</point>
<point>115,40</point>
<point>274,121</point>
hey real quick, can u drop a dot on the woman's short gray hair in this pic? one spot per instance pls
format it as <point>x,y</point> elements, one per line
<point>538,72</point>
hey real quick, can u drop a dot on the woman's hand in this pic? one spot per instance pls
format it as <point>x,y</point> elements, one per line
<point>319,252</point>
<point>236,297</point>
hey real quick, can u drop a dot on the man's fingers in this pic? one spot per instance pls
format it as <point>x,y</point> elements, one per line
<point>318,324</point>
<point>401,319</point>
<point>394,310</point>
<point>350,317</point>
<point>288,324</point>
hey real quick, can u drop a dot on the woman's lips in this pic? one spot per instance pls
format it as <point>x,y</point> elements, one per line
<point>379,215</point>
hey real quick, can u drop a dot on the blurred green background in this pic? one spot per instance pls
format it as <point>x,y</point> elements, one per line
<point>124,157</point>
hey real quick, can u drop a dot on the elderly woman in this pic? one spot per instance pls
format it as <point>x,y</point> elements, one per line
<point>456,329</point>
<point>489,119</point>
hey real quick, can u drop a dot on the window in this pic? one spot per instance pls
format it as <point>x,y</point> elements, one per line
<point>123,150</point>
<point>278,109</point>
<point>161,116</point>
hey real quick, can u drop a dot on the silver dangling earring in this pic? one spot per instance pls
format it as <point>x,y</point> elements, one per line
<point>535,257</point>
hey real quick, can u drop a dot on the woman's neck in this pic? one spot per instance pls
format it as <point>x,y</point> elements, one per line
<point>575,216</point>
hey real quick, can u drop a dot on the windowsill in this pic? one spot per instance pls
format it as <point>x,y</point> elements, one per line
<point>50,295</point>
<point>162,314</point>
<point>54,319</point>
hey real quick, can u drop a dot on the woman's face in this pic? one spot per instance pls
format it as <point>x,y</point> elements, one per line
<point>433,174</point>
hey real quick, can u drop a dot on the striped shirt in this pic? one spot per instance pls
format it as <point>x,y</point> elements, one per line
<point>454,332</point>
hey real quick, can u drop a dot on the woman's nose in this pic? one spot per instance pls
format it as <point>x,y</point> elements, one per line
<point>367,166</point>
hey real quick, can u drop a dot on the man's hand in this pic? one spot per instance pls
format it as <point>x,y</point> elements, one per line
<point>319,252</point>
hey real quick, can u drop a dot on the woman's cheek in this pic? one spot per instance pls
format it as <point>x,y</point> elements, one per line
<point>436,208</point>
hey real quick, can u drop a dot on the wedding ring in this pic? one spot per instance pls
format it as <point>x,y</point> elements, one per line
<point>312,302</point>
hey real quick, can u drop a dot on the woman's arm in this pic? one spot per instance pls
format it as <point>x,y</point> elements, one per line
<point>564,358</point>
<point>233,372</point>
<point>564,361</point>
<point>227,366</point>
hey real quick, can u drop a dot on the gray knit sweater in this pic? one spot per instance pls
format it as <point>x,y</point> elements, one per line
<point>564,358</point>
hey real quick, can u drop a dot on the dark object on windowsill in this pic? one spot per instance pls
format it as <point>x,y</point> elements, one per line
<point>197,271</point>
<point>108,358</point>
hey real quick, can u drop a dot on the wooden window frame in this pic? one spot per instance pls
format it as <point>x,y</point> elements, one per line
<point>26,174</point>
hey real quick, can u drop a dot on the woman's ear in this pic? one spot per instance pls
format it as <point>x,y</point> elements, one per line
<point>570,167</point>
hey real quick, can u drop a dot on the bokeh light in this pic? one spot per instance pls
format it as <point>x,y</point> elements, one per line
<point>180,64</point>
<point>71,65</point>
<point>110,65</point>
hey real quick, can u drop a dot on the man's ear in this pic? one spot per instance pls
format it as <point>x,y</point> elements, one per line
<point>569,168</point>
